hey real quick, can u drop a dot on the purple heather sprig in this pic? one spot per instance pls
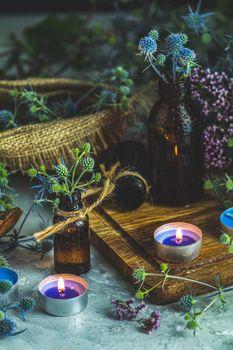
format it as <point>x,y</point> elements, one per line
<point>214,93</point>
<point>127,309</point>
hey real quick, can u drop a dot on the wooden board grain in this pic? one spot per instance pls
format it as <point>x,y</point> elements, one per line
<point>126,239</point>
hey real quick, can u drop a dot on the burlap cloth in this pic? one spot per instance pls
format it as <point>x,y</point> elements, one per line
<point>46,143</point>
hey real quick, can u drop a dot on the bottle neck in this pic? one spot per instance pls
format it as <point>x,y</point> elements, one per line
<point>70,202</point>
<point>173,91</point>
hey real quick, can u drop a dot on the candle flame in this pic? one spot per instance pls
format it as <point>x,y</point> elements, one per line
<point>176,150</point>
<point>179,235</point>
<point>61,285</point>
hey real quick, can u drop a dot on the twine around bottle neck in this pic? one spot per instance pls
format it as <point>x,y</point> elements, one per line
<point>111,176</point>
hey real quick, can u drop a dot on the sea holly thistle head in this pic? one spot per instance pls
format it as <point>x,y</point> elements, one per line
<point>28,303</point>
<point>140,295</point>
<point>154,34</point>
<point>62,171</point>
<point>196,21</point>
<point>208,185</point>
<point>65,180</point>
<point>3,262</point>
<point>147,46</point>
<point>229,183</point>
<point>160,60</point>
<point>225,239</point>
<point>174,43</point>
<point>192,322</point>
<point>7,327</point>
<point>187,302</point>
<point>139,274</point>
<point>5,286</point>
<point>186,56</point>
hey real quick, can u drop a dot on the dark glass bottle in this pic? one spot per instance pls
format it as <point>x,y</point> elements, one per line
<point>72,245</point>
<point>131,190</point>
<point>175,147</point>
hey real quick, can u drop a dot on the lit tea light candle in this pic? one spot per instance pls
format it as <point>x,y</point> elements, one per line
<point>63,295</point>
<point>178,242</point>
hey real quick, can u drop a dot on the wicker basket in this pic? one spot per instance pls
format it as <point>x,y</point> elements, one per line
<point>46,143</point>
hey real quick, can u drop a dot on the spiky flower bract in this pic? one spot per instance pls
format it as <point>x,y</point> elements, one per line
<point>7,327</point>
<point>5,286</point>
<point>2,315</point>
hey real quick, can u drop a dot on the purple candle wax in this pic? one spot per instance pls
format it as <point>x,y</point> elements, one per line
<point>68,293</point>
<point>72,290</point>
<point>168,237</point>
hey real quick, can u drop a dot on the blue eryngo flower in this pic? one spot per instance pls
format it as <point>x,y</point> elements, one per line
<point>196,21</point>
<point>7,327</point>
<point>147,46</point>
<point>7,119</point>
<point>174,43</point>
<point>108,97</point>
<point>186,56</point>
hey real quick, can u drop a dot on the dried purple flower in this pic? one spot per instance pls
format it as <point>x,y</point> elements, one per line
<point>127,309</point>
<point>152,323</point>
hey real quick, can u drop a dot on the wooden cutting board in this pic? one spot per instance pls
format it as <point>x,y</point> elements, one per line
<point>126,240</point>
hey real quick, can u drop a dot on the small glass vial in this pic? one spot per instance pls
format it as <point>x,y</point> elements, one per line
<point>72,245</point>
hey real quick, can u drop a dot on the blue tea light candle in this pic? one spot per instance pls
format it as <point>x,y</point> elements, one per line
<point>63,294</point>
<point>226,220</point>
<point>6,274</point>
<point>178,242</point>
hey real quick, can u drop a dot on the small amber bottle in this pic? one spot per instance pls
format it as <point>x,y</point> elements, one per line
<point>72,245</point>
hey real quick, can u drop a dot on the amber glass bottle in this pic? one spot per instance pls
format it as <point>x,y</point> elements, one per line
<point>175,147</point>
<point>72,245</point>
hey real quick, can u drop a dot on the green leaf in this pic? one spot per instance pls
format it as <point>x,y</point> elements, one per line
<point>230,142</point>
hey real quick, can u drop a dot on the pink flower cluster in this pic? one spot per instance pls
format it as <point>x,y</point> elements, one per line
<point>214,93</point>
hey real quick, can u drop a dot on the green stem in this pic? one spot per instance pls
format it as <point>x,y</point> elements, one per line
<point>183,279</point>
<point>75,168</point>
<point>79,177</point>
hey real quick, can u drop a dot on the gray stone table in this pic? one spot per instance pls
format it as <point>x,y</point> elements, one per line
<point>95,328</point>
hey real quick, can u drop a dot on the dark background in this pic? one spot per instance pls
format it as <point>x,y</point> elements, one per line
<point>53,6</point>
